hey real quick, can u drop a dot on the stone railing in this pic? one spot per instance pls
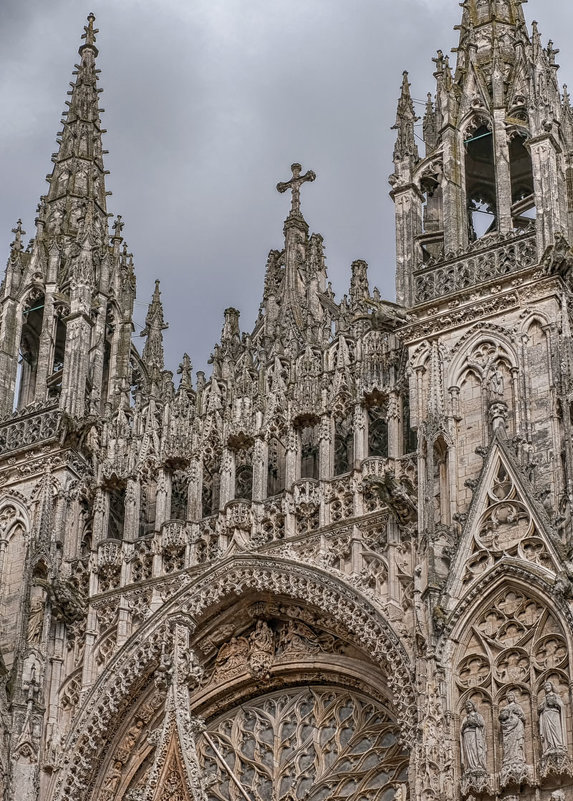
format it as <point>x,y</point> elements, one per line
<point>30,426</point>
<point>487,259</point>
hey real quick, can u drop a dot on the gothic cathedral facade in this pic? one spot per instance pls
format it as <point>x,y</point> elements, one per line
<point>339,568</point>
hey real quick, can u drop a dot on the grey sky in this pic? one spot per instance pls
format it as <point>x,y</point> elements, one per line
<point>207,104</point>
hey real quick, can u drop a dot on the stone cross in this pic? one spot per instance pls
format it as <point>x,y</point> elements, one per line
<point>295,184</point>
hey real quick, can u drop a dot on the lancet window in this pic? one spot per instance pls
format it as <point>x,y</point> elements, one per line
<point>179,495</point>
<point>377,431</point>
<point>147,506</point>
<point>59,349</point>
<point>409,436</point>
<point>116,516</point>
<point>481,192</point>
<point>522,189</point>
<point>244,473</point>
<point>276,466</point>
<point>29,350</point>
<point>343,445</point>
<point>309,451</point>
<point>432,239</point>
<point>210,491</point>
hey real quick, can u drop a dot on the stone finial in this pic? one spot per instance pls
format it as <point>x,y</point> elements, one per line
<point>89,33</point>
<point>118,227</point>
<point>184,370</point>
<point>19,234</point>
<point>154,326</point>
<point>405,120</point>
<point>294,185</point>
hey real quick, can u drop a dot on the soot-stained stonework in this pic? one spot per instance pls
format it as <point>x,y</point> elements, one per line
<point>339,567</point>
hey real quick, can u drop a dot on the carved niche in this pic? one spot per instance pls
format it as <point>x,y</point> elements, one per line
<point>512,676</point>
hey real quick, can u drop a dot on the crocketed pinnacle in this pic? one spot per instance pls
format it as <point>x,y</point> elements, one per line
<point>155,324</point>
<point>77,182</point>
<point>184,370</point>
<point>405,121</point>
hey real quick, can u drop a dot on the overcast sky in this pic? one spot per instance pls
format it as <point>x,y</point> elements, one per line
<point>208,102</point>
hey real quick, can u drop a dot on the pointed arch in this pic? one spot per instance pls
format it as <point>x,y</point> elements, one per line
<point>132,668</point>
<point>503,644</point>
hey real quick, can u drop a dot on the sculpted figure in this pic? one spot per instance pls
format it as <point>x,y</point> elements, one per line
<point>512,719</point>
<point>262,649</point>
<point>473,735</point>
<point>552,722</point>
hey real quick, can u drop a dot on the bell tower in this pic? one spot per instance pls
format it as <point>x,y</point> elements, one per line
<point>497,158</point>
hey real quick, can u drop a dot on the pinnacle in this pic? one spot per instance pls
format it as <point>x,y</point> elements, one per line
<point>154,326</point>
<point>20,233</point>
<point>184,371</point>
<point>405,120</point>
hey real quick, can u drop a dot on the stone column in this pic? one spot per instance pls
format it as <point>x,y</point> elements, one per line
<point>260,469</point>
<point>408,205</point>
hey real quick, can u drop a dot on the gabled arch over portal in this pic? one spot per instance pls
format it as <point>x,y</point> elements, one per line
<point>132,669</point>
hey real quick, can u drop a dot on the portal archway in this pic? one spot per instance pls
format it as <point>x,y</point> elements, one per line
<point>129,682</point>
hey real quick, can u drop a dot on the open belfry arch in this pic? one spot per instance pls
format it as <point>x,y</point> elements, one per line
<point>339,568</point>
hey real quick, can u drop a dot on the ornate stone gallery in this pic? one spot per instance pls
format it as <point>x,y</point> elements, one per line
<point>339,568</point>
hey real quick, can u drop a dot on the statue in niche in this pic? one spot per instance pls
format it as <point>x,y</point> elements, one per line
<point>497,384</point>
<point>552,722</point>
<point>261,649</point>
<point>36,620</point>
<point>512,720</point>
<point>474,746</point>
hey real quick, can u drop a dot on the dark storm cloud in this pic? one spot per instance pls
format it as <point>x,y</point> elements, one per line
<point>207,104</point>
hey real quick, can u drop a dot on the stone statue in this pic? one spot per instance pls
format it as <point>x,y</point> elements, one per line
<point>261,649</point>
<point>474,747</point>
<point>512,720</point>
<point>552,722</point>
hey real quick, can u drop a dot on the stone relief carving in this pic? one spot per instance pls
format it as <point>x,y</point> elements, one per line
<point>474,750</point>
<point>514,769</point>
<point>553,732</point>
<point>505,528</point>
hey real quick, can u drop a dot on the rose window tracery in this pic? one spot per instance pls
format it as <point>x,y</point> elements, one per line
<point>312,743</point>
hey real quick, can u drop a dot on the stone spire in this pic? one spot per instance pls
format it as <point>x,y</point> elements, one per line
<point>77,183</point>
<point>490,25</point>
<point>155,324</point>
<point>406,147</point>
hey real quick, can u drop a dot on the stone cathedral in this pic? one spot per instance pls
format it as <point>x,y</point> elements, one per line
<point>340,567</point>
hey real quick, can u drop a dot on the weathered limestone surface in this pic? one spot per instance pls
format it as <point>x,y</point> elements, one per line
<point>339,567</point>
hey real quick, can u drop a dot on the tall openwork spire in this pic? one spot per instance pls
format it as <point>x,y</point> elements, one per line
<point>77,183</point>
